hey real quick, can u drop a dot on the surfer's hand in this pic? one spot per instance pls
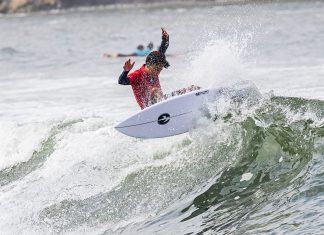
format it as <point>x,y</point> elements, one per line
<point>128,65</point>
<point>165,35</point>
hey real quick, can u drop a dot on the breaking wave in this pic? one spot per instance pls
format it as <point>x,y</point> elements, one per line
<point>246,166</point>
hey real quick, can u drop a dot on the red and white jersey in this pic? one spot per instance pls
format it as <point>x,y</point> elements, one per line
<point>142,85</point>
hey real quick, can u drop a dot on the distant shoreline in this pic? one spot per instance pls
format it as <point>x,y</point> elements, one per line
<point>26,6</point>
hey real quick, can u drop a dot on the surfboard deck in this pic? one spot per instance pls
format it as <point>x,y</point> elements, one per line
<point>170,117</point>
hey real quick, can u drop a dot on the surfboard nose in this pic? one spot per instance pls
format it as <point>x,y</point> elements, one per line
<point>118,126</point>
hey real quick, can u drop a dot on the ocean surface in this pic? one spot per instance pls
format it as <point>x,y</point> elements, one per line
<point>256,169</point>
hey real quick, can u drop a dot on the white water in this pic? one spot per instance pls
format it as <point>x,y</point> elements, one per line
<point>56,76</point>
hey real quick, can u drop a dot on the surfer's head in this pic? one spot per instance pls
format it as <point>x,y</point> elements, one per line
<point>140,47</point>
<point>156,58</point>
<point>155,62</point>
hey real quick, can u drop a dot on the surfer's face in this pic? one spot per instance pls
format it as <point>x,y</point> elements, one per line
<point>155,70</point>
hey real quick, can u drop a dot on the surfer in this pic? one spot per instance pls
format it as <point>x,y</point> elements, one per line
<point>140,51</point>
<point>145,81</point>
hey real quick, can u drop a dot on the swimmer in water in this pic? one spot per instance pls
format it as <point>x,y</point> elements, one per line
<point>140,51</point>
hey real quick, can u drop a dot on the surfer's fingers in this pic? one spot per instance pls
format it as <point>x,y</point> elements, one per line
<point>165,34</point>
<point>164,31</point>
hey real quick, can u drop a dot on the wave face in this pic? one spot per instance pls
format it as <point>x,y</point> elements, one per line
<point>250,166</point>
<point>265,172</point>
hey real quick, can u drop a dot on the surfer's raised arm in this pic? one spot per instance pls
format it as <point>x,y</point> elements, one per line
<point>165,41</point>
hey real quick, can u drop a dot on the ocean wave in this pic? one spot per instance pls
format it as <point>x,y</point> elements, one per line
<point>226,171</point>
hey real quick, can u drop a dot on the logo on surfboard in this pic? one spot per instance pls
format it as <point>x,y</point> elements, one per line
<point>164,119</point>
<point>202,92</point>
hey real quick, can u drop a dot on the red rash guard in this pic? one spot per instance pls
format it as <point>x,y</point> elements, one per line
<point>142,85</point>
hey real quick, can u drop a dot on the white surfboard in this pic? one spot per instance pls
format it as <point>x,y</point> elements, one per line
<point>170,117</point>
<point>177,115</point>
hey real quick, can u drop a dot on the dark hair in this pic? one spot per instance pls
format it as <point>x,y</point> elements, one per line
<point>140,47</point>
<point>157,58</point>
